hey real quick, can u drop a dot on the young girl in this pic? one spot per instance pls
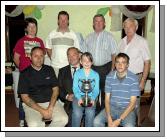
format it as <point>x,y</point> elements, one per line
<point>86,73</point>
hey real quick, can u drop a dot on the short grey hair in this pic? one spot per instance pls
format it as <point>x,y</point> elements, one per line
<point>131,20</point>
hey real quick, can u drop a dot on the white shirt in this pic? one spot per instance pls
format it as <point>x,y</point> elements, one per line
<point>137,50</point>
<point>59,43</point>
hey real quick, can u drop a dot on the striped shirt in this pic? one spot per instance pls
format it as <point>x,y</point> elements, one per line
<point>121,91</point>
<point>101,46</point>
<point>59,43</point>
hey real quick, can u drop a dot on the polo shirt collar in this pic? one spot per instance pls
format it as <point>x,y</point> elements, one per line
<point>115,75</point>
<point>58,30</point>
<point>125,38</point>
<point>36,69</point>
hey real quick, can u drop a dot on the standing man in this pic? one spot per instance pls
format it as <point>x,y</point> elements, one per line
<point>59,41</point>
<point>136,47</point>
<point>66,80</point>
<point>38,87</point>
<point>102,46</point>
<point>121,91</point>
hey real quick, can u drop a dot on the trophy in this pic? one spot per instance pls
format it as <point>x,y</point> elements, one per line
<point>86,88</point>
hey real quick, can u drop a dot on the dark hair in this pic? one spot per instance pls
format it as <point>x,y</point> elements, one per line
<point>74,48</point>
<point>63,13</point>
<point>123,55</point>
<point>99,15</point>
<point>88,55</point>
<point>39,48</point>
<point>30,20</point>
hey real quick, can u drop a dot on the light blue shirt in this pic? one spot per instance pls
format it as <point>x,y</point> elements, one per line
<point>102,46</point>
<point>80,75</point>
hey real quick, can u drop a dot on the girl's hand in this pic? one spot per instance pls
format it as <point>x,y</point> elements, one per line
<point>92,102</point>
<point>80,102</point>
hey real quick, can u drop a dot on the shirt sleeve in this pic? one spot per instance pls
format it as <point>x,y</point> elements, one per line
<point>113,45</point>
<point>23,84</point>
<point>84,46</point>
<point>19,47</point>
<point>76,89</point>
<point>121,46</point>
<point>135,90</point>
<point>76,43</point>
<point>48,43</point>
<point>96,88</point>
<point>42,44</point>
<point>145,51</point>
<point>80,39</point>
<point>107,85</point>
<point>53,78</point>
<point>62,90</point>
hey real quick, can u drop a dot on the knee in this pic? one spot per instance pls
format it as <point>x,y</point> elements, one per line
<point>129,124</point>
<point>35,124</point>
<point>97,122</point>
<point>65,119</point>
<point>76,115</point>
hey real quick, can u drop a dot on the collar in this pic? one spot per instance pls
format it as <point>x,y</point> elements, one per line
<point>58,30</point>
<point>78,67</point>
<point>115,75</point>
<point>35,68</point>
<point>125,38</point>
<point>99,32</point>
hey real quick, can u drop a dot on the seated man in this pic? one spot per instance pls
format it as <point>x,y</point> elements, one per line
<point>65,78</point>
<point>121,91</point>
<point>39,90</point>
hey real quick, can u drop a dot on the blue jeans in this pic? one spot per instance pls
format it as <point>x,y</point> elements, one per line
<point>77,114</point>
<point>101,120</point>
<point>21,111</point>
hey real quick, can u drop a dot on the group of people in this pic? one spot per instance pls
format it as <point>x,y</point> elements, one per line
<point>118,77</point>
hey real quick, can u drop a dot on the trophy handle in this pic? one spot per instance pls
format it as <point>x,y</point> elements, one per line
<point>80,86</point>
<point>93,85</point>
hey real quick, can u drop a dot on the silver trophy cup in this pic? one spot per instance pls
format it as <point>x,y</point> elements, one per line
<point>86,87</point>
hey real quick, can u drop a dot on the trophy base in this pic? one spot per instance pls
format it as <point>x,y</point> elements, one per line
<point>46,120</point>
<point>86,105</point>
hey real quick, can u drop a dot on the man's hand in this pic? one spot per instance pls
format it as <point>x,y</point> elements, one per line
<point>116,123</point>
<point>92,102</point>
<point>142,84</point>
<point>109,119</point>
<point>70,97</point>
<point>46,114</point>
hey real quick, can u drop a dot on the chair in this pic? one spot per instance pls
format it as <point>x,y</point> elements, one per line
<point>149,121</point>
<point>137,110</point>
<point>15,75</point>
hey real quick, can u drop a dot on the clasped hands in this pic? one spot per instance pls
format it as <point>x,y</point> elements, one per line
<point>47,114</point>
<point>113,123</point>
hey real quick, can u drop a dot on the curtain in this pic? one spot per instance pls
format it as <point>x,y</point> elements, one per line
<point>134,14</point>
<point>16,12</point>
<point>118,10</point>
